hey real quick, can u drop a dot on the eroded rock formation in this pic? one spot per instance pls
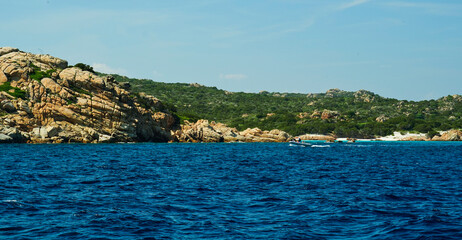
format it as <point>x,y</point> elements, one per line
<point>44,100</point>
<point>451,135</point>
<point>317,137</point>
<point>203,131</point>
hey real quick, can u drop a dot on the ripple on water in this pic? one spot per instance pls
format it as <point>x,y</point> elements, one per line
<point>233,191</point>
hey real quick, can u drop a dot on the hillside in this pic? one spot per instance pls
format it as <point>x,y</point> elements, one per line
<point>43,100</point>
<point>344,114</point>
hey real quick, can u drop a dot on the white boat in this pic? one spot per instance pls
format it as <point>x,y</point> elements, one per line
<point>295,143</point>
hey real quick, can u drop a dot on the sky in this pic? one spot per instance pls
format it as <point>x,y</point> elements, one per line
<point>404,49</point>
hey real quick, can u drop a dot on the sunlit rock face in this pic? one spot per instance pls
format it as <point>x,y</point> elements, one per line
<point>44,100</point>
<point>205,131</point>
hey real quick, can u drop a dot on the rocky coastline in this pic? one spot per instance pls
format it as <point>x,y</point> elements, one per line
<point>205,131</point>
<point>43,100</point>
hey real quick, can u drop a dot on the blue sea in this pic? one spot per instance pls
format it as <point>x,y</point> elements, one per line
<point>365,190</point>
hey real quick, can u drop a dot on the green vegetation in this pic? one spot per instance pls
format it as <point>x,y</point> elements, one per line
<point>81,90</point>
<point>85,67</point>
<point>38,75</point>
<point>71,101</point>
<point>353,114</point>
<point>17,93</point>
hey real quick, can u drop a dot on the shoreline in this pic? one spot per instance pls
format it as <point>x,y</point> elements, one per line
<point>205,142</point>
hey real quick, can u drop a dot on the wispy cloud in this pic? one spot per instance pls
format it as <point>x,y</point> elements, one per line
<point>429,7</point>
<point>101,67</point>
<point>351,4</point>
<point>308,22</point>
<point>237,76</point>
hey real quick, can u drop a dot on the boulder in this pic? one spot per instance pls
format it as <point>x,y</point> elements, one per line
<point>8,106</point>
<point>46,132</point>
<point>203,131</point>
<point>23,106</point>
<point>328,114</point>
<point>257,135</point>
<point>316,137</point>
<point>415,138</point>
<point>53,61</point>
<point>229,134</point>
<point>208,134</point>
<point>15,66</point>
<point>3,78</point>
<point>5,138</point>
<point>251,132</point>
<point>277,135</point>
<point>103,138</point>
<point>6,50</point>
<point>11,134</point>
<point>49,83</point>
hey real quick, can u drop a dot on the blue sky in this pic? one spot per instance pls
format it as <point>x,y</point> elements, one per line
<point>398,49</point>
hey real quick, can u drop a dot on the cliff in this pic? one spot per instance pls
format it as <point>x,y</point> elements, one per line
<point>42,99</point>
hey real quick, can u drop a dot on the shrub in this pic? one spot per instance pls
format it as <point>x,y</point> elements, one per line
<point>38,74</point>
<point>17,93</point>
<point>71,101</point>
<point>85,67</point>
<point>432,133</point>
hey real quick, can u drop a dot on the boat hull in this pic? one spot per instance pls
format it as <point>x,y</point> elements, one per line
<point>304,144</point>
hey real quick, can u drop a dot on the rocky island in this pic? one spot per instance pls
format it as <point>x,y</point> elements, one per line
<point>44,100</point>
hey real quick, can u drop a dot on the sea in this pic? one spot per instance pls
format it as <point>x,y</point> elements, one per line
<point>362,190</point>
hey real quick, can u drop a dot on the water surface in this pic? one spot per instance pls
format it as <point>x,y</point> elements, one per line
<point>380,190</point>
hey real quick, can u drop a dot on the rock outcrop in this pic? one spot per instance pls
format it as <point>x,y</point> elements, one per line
<point>317,137</point>
<point>328,114</point>
<point>257,135</point>
<point>364,96</point>
<point>421,137</point>
<point>382,118</point>
<point>334,92</point>
<point>451,135</point>
<point>203,131</point>
<point>324,115</point>
<point>44,100</point>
